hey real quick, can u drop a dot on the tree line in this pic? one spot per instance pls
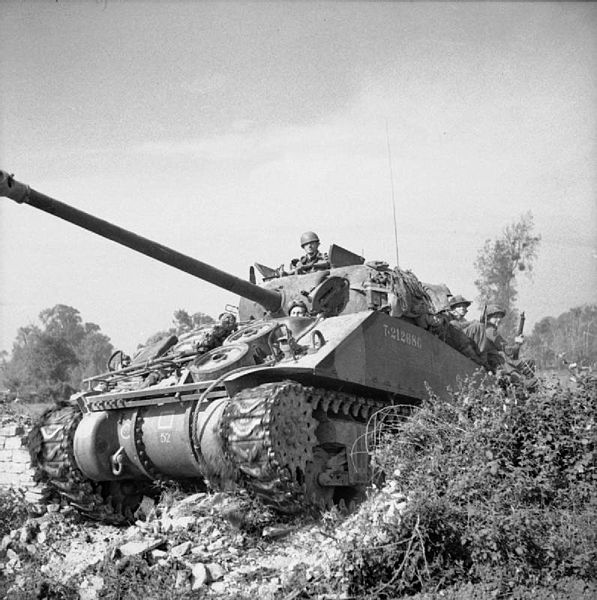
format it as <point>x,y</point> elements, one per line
<point>50,360</point>
<point>568,339</point>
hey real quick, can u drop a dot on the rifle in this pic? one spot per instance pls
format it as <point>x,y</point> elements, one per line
<point>521,321</point>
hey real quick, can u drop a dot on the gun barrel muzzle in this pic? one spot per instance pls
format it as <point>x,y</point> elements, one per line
<point>13,189</point>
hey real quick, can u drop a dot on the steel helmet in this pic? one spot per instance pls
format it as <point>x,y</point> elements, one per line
<point>227,317</point>
<point>296,303</point>
<point>494,309</point>
<point>459,300</point>
<point>308,236</point>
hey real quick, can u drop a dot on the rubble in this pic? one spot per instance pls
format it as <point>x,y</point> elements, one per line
<point>200,576</point>
<point>91,587</point>
<point>192,539</point>
<point>133,548</point>
<point>215,571</point>
<point>146,508</point>
<point>180,549</point>
<point>182,578</point>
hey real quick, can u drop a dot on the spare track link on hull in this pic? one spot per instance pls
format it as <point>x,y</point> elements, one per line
<point>269,432</point>
<point>51,449</point>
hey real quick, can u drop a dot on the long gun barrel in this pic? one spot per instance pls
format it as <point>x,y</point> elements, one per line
<point>22,193</point>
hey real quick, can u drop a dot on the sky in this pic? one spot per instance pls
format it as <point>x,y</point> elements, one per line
<point>226,129</point>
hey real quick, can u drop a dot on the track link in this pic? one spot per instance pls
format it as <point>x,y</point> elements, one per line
<point>271,431</point>
<point>51,450</point>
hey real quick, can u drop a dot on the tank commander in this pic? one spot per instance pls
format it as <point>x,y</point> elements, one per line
<point>458,309</point>
<point>310,244</point>
<point>297,309</point>
<point>493,346</point>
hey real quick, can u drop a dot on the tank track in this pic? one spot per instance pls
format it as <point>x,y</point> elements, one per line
<point>269,432</point>
<point>51,450</point>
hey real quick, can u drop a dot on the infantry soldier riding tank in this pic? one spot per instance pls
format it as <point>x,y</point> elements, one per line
<point>277,404</point>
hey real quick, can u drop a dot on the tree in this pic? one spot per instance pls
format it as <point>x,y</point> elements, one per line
<point>182,322</point>
<point>94,351</point>
<point>541,343</point>
<point>500,261</point>
<point>50,362</point>
<point>569,338</point>
<point>40,365</point>
<point>64,322</point>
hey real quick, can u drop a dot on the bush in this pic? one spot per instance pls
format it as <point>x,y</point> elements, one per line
<point>500,490</point>
<point>13,511</point>
<point>132,578</point>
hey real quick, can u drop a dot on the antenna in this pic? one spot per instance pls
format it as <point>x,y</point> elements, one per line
<point>393,197</point>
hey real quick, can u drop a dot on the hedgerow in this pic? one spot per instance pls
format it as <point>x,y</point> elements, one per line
<point>497,490</point>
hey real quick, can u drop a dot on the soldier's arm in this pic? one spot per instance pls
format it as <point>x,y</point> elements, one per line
<point>476,332</point>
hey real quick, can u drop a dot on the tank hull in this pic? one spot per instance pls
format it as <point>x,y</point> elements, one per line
<point>220,430</point>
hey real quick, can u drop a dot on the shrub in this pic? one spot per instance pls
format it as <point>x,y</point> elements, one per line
<point>13,511</point>
<point>132,578</point>
<point>500,490</point>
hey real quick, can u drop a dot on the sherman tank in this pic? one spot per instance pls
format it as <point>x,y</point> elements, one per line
<point>275,404</point>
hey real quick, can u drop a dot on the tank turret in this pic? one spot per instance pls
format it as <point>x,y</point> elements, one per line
<point>274,403</point>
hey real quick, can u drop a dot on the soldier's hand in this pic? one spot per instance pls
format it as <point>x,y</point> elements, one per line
<point>519,339</point>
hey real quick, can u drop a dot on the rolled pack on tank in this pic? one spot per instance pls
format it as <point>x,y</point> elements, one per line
<point>278,405</point>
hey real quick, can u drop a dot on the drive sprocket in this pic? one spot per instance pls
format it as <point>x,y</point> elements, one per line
<point>269,433</point>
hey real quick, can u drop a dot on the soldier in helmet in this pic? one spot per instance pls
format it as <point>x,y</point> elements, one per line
<point>499,354</point>
<point>441,325</point>
<point>297,309</point>
<point>312,256</point>
<point>458,309</point>
<point>227,322</point>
